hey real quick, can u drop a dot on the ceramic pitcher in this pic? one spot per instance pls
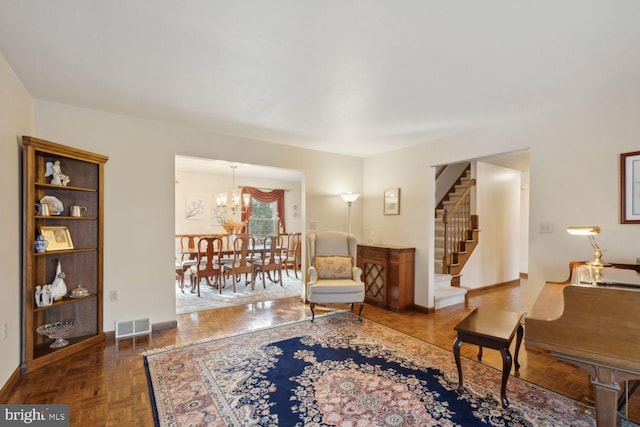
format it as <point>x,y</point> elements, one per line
<point>77,210</point>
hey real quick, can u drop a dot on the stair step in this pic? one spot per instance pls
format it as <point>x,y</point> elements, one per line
<point>442,281</point>
<point>449,296</point>
<point>438,266</point>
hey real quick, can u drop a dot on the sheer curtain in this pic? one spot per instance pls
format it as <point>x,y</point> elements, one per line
<point>266,197</point>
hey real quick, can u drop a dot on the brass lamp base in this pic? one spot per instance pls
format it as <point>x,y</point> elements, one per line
<point>597,261</point>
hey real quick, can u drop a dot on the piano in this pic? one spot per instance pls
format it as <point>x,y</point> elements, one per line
<point>593,326</point>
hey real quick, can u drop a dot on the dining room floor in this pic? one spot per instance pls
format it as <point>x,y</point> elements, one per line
<point>210,298</point>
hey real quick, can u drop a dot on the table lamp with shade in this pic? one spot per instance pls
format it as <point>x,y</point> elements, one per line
<point>590,231</point>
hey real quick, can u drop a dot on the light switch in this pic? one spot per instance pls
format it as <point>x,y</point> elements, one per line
<point>545,227</point>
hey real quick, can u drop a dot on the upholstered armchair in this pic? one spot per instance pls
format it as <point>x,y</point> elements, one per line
<point>334,277</point>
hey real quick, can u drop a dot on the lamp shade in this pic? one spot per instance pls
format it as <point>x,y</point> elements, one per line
<point>589,230</point>
<point>350,197</point>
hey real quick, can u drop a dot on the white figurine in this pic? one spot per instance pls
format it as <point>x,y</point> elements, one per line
<point>54,170</point>
<point>43,295</point>
<point>38,296</point>
<point>47,296</point>
<point>58,287</point>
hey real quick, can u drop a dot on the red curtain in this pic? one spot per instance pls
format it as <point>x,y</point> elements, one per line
<point>266,197</point>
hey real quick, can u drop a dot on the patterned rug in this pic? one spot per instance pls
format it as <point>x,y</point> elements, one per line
<point>210,298</point>
<point>338,371</point>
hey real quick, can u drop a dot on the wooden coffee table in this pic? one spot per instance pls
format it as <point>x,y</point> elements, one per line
<point>493,328</point>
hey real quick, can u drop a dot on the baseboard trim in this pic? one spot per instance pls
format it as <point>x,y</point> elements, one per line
<point>172,324</point>
<point>9,385</point>
<point>478,291</point>
<point>423,309</point>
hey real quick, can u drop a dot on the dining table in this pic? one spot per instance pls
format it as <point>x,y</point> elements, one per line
<point>193,252</point>
<point>227,254</point>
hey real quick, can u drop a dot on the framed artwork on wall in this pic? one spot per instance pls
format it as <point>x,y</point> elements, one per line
<point>630,188</point>
<point>194,208</point>
<point>392,201</point>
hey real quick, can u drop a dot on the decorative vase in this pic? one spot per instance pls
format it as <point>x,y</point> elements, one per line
<point>41,244</point>
<point>233,227</point>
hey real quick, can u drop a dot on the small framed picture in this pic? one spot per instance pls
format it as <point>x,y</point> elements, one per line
<point>194,208</point>
<point>630,188</point>
<point>392,201</point>
<point>58,237</point>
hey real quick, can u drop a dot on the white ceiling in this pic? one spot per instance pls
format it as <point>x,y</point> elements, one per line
<point>353,77</point>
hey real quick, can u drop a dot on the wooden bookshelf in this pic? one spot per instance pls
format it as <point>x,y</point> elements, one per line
<point>83,264</point>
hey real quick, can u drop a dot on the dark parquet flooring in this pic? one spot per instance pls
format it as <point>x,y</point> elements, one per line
<point>107,385</point>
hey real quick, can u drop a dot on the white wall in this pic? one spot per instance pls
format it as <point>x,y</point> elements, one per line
<point>16,118</point>
<point>574,181</point>
<point>206,186</point>
<point>496,259</point>
<point>140,187</point>
<point>409,170</point>
<point>574,154</point>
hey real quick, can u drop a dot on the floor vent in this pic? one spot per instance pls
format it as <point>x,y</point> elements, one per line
<point>132,328</point>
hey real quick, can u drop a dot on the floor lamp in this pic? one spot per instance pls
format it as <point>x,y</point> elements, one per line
<point>349,198</point>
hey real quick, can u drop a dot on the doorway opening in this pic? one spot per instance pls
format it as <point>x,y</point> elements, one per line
<point>198,182</point>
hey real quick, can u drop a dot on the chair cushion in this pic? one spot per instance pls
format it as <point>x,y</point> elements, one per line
<point>336,286</point>
<point>189,262</point>
<point>334,267</point>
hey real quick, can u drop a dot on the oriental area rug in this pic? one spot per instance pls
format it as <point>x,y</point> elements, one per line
<point>338,371</point>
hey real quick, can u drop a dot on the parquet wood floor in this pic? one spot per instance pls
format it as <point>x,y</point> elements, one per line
<point>107,386</point>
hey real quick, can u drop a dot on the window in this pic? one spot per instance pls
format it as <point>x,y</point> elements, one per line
<point>264,218</point>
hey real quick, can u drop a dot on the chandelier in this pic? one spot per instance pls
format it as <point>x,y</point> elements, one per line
<point>234,200</point>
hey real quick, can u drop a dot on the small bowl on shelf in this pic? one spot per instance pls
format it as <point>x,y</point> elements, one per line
<point>79,292</point>
<point>58,331</point>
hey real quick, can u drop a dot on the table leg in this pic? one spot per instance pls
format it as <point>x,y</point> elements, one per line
<point>480,353</point>
<point>506,369</point>
<point>456,354</point>
<point>518,342</point>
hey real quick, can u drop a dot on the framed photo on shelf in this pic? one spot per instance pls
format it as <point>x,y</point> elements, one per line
<point>58,237</point>
<point>630,188</point>
<point>392,201</point>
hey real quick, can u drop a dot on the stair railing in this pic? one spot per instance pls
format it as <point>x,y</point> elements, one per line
<point>457,223</point>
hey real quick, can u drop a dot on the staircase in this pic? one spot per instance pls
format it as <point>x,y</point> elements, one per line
<point>456,236</point>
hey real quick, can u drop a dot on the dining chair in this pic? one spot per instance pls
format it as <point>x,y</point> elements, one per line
<point>290,255</point>
<point>271,260</point>
<point>185,256</point>
<point>180,274</point>
<point>227,248</point>
<point>243,261</point>
<point>208,264</point>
